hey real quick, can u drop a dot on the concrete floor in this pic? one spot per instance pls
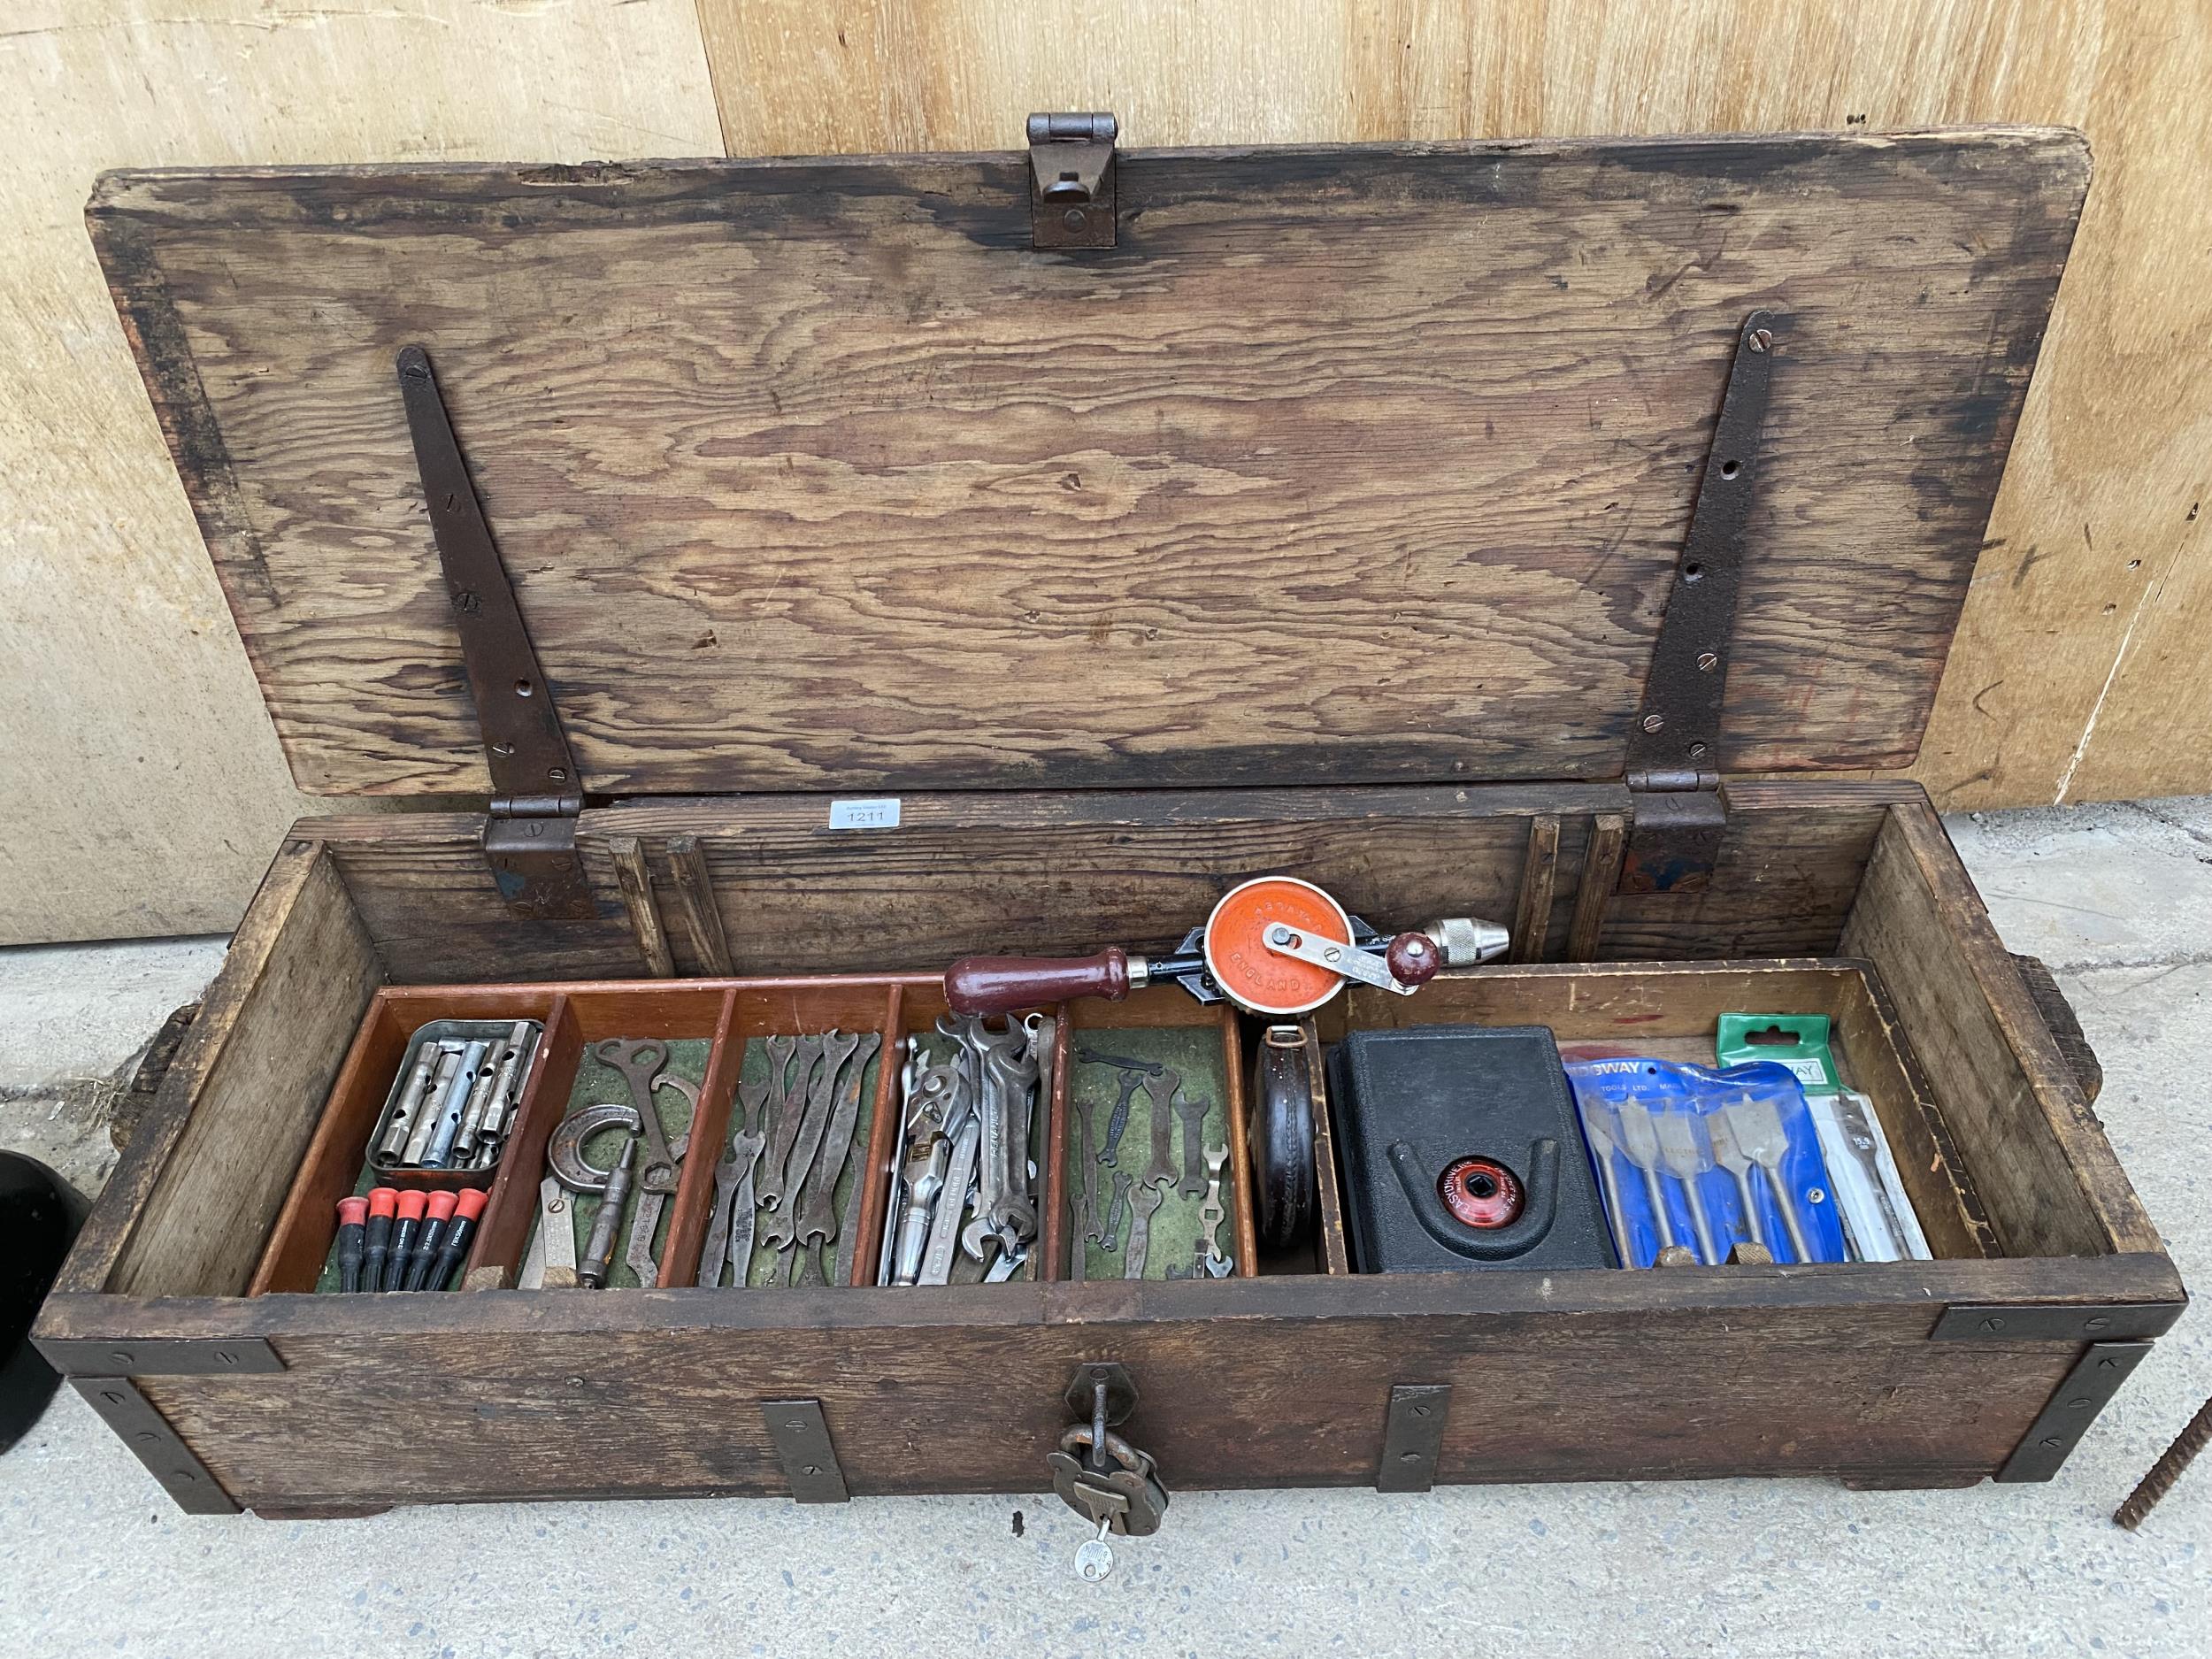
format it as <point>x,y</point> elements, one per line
<point>2118,899</point>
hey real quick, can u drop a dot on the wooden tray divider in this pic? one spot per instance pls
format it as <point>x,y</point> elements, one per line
<point>1243,1226</point>
<point>709,1130</point>
<point>873,1175</point>
<point>1332,1253</point>
<point>500,1236</point>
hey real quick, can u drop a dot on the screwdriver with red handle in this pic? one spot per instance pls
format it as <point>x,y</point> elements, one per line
<point>459,1233</point>
<point>378,1240</point>
<point>436,1214</point>
<point>353,1215</point>
<point>412,1204</point>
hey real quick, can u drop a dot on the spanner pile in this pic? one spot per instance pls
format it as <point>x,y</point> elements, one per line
<point>1098,1214</point>
<point>775,1186</point>
<point>963,1195</point>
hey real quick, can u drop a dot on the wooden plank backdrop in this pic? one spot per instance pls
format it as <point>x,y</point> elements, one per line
<point>145,791</point>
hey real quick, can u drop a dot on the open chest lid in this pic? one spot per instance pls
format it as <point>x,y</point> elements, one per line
<point>1354,463</point>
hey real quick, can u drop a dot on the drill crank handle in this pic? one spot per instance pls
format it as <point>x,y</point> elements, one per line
<point>999,984</point>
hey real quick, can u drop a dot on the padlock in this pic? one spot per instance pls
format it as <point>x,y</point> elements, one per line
<point>1120,1488</point>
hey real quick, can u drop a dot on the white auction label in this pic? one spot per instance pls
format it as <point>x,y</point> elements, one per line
<point>856,815</point>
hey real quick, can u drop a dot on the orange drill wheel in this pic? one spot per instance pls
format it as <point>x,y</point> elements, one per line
<point>1264,981</point>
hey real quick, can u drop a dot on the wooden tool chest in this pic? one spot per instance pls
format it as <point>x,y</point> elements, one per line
<point>901,557</point>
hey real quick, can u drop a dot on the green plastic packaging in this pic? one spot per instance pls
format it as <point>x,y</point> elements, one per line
<point>1798,1042</point>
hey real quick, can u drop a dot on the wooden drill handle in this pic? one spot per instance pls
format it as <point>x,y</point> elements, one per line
<point>999,984</point>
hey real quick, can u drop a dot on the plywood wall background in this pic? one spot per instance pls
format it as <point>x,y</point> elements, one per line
<point>144,789</point>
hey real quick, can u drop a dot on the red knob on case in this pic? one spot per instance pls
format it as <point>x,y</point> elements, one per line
<point>471,1203</point>
<point>353,1212</point>
<point>412,1204</point>
<point>1480,1192</point>
<point>441,1207</point>
<point>381,1201</point>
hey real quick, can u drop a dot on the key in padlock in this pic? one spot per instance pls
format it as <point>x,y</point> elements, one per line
<point>1100,1475</point>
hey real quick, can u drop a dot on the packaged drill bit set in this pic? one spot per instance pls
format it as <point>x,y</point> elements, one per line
<point>1701,1165</point>
<point>965,1197</point>
<point>1878,1222</point>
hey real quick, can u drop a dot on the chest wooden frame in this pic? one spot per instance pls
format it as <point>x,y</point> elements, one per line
<point>1847,894</point>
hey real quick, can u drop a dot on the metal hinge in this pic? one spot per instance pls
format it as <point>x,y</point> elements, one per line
<point>1673,749</point>
<point>800,1434</point>
<point>1413,1436</point>
<point>1071,181</point>
<point>530,833</point>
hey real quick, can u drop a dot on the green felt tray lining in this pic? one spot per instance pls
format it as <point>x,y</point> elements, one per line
<point>1195,1052</point>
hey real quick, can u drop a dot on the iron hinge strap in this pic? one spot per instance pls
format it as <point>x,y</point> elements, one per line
<point>1673,748</point>
<point>1413,1436</point>
<point>534,774</point>
<point>1072,181</point>
<point>800,1434</point>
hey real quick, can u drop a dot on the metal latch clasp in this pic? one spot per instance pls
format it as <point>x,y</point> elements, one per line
<point>1071,181</point>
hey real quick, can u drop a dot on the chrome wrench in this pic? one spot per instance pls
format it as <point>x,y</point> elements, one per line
<point>1212,1215</point>
<point>944,1227</point>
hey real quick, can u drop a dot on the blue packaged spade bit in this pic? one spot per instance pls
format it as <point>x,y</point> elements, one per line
<point>1705,1159</point>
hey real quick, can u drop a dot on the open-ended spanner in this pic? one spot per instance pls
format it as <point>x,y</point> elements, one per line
<point>1193,1112</point>
<point>1212,1215</point>
<point>793,1099</point>
<point>1109,1150</point>
<point>730,1233</point>
<point>1114,1208</point>
<point>640,1063</point>
<point>1161,1091</point>
<point>640,1257</point>
<point>1094,1223</point>
<point>781,1230</point>
<point>1146,1201</point>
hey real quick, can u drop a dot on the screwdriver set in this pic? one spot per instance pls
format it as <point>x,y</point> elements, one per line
<point>405,1239</point>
